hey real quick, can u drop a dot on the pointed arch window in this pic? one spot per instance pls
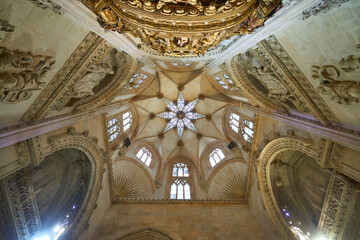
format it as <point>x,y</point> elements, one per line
<point>244,127</point>
<point>180,190</point>
<point>225,81</point>
<point>216,156</point>
<point>180,187</point>
<point>136,80</point>
<point>144,155</point>
<point>113,129</point>
<point>127,120</point>
<point>234,122</point>
<point>119,124</point>
<point>247,130</point>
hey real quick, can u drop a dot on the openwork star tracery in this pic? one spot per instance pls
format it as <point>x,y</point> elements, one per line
<point>180,115</point>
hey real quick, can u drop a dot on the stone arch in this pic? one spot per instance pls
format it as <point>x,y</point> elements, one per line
<point>204,158</point>
<point>228,132</point>
<point>148,234</point>
<point>97,158</point>
<point>141,167</point>
<point>267,156</point>
<point>193,171</point>
<point>156,160</point>
<point>131,132</point>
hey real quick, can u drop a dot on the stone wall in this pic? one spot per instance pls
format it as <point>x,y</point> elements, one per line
<point>182,221</point>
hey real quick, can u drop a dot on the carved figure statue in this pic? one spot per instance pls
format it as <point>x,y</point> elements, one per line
<point>268,78</point>
<point>84,87</point>
<point>21,74</point>
<point>342,91</point>
<point>15,58</point>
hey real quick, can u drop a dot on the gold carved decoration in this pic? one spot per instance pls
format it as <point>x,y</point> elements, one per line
<point>334,84</point>
<point>20,74</point>
<point>203,24</point>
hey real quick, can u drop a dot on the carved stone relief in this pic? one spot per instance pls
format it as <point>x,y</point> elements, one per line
<point>322,7</point>
<point>89,79</point>
<point>48,4</point>
<point>21,74</point>
<point>20,196</point>
<point>269,77</point>
<point>340,81</point>
<point>5,28</point>
<point>339,203</point>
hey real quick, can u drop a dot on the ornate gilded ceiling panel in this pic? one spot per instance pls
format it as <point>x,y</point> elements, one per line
<point>182,27</point>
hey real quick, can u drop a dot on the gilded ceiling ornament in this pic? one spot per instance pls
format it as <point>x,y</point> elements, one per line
<point>202,26</point>
<point>180,115</point>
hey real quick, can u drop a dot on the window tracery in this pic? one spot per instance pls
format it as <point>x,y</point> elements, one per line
<point>216,156</point>
<point>180,188</point>
<point>245,127</point>
<point>136,80</point>
<point>113,129</point>
<point>119,124</point>
<point>144,155</point>
<point>225,81</point>
<point>127,120</point>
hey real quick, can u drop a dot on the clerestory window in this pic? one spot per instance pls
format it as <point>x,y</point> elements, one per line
<point>247,130</point>
<point>127,120</point>
<point>180,188</point>
<point>113,129</point>
<point>145,156</point>
<point>244,127</point>
<point>225,81</point>
<point>137,80</point>
<point>216,156</point>
<point>119,124</point>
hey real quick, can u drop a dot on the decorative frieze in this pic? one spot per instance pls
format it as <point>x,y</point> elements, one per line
<point>19,194</point>
<point>44,4</point>
<point>322,7</point>
<point>339,203</point>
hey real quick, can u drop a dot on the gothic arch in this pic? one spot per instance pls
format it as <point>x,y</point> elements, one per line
<point>140,166</point>
<point>97,158</point>
<point>148,234</point>
<point>150,146</point>
<point>267,156</point>
<point>219,167</point>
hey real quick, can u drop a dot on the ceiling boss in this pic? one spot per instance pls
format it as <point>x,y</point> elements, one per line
<point>182,27</point>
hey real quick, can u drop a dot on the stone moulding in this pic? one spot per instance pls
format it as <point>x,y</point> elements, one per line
<point>267,156</point>
<point>61,79</point>
<point>278,68</point>
<point>148,233</point>
<point>97,158</point>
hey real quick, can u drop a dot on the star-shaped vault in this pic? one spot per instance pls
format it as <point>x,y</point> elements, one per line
<point>180,115</point>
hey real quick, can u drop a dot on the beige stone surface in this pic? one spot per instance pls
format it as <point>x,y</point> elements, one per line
<point>42,32</point>
<point>325,40</point>
<point>182,221</point>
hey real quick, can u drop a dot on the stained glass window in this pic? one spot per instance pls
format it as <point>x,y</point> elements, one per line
<point>216,156</point>
<point>119,125</point>
<point>144,155</point>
